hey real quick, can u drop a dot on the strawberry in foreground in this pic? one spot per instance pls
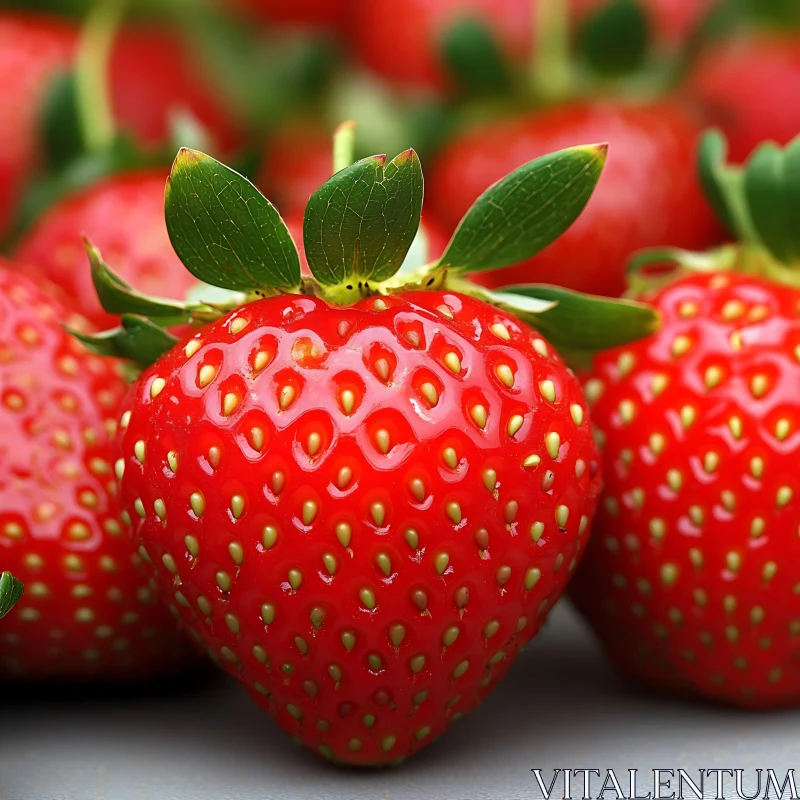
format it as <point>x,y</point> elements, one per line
<point>646,196</point>
<point>689,580</point>
<point>126,214</point>
<point>366,489</point>
<point>87,612</point>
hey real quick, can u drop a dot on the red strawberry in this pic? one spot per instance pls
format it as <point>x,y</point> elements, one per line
<point>154,76</point>
<point>752,85</point>
<point>645,198</point>
<point>32,50</point>
<point>87,611</point>
<point>689,577</point>
<point>364,511</point>
<point>402,45</point>
<point>125,216</point>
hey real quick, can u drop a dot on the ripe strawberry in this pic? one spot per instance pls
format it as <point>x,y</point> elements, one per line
<point>364,490</point>
<point>32,50</point>
<point>751,86</point>
<point>153,76</point>
<point>688,578</point>
<point>643,199</point>
<point>87,611</point>
<point>350,525</point>
<point>404,47</point>
<point>125,216</point>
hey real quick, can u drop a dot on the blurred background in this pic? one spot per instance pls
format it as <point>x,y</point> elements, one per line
<point>98,96</point>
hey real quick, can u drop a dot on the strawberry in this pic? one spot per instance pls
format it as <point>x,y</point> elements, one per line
<point>33,49</point>
<point>404,48</point>
<point>364,490</point>
<point>688,580</point>
<point>87,611</point>
<point>643,199</point>
<point>751,85</point>
<point>125,215</point>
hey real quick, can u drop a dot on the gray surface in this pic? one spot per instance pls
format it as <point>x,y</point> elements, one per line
<point>560,706</point>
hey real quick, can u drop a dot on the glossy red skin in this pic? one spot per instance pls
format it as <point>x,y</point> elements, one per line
<point>321,14</point>
<point>647,196</point>
<point>154,76</point>
<point>33,49</point>
<point>401,43</point>
<point>95,618</point>
<point>124,217</point>
<point>320,350</point>
<point>624,551</point>
<point>751,87</point>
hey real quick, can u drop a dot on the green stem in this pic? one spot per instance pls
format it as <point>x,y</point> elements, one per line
<point>91,73</point>
<point>344,144</point>
<point>551,73</point>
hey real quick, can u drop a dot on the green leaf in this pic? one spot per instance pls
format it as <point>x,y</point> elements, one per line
<point>359,225</point>
<point>117,297</point>
<point>772,188</point>
<point>224,230</point>
<point>524,212</point>
<point>615,38</point>
<point>474,57</point>
<point>11,591</point>
<point>59,125</point>
<point>137,339</point>
<point>579,322</point>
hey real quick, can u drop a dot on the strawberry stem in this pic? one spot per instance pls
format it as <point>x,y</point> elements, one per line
<point>344,139</point>
<point>551,72</point>
<point>92,64</point>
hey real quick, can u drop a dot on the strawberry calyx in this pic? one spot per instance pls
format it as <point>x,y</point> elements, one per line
<point>359,228</point>
<point>11,590</point>
<point>757,201</point>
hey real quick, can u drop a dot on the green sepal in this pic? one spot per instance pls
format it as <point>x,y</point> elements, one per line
<point>525,211</point>
<point>224,230</point>
<point>759,201</point>
<point>474,58</point>
<point>60,131</point>
<point>137,339</point>
<point>577,322</point>
<point>11,590</point>
<point>616,38</point>
<point>117,297</point>
<point>359,226</point>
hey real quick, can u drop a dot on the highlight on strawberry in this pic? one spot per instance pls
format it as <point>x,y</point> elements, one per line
<point>689,581</point>
<point>363,489</point>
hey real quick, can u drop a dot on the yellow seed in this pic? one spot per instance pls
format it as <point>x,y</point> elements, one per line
<point>430,393</point>
<point>192,545</point>
<point>378,512</point>
<point>515,423</point>
<point>367,598</point>
<point>260,361</point>
<point>441,562</point>
<point>478,414</point>
<point>757,467</point>
<point>681,345</point>
<point>712,377</point>
<point>207,374</point>
<point>139,451</point>
<point>417,489</point>
<point>384,564</point>
<point>344,477</point>
<point>548,390</point>
<point>732,310</point>
<point>286,397</point>
<point>782,429</point>
<point>505,375</point>
<point>344,533</point>
<point>295,578</point>
<point>198,503</point>
<point>450,457</point>
<point>230,403</point>
<point>157,386</point>
<point>562,515</point>
<point>382,441</point>
<point>627,411</point>
<point>759,385</point>
<point>783,496</point>
<point>382,369</point>
<point>453,510</point>
<point>310,509</point>
<point>191,348</point>
<point>577,413</point>
<point>710,462</point>
<point>453,362</point>
<point>532,460</point>
<point>313,443</point>
<point>238,325</point>
<point>500,331</point>
<point>160,508</point>
<point>688,415</point>
<point>532,577</point>
<point>553,444</point>
<point>348,400</point>
<point>489,479</point>
<point>257,438</point>
<point>379,304</point>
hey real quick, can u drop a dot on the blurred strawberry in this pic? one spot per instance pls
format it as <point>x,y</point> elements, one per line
<point>751,85</point>
<point>646,196</point>
<point>32,50</point>
<point>153,77</point>
<point>123,215</point>
<point>402,45</point>
<point>298,160</point>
